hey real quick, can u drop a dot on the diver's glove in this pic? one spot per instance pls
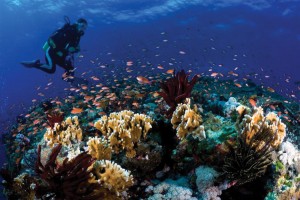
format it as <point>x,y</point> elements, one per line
<point>73,49</point>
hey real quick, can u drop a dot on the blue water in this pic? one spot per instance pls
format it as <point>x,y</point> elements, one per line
<point>260,38</point>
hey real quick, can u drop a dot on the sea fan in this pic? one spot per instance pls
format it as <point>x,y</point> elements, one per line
<point>247,162</point>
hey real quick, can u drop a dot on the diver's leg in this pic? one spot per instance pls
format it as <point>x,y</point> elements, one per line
<point>48,67</point>
<point>31,64</point>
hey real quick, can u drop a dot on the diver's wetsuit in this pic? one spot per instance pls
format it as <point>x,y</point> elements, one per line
<point>60,41</point>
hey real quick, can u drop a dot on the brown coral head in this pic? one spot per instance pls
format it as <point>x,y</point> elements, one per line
<point>54,117</point>
<point>176,89</point>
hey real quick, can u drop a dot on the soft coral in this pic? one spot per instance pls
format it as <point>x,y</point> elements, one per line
<point>176,90</point>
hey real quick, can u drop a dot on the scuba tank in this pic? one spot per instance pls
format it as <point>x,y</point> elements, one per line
<point>57,35</point>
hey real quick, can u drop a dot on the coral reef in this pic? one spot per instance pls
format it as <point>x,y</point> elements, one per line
<point>176,90</point>
<point>124,130</point>
<point>187,121</point>
<point>66,133</point>
<point>115,156</point>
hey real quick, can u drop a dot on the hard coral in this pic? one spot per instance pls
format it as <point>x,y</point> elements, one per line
<point>176,90</point>
<point>187,121</point>
<point>112,176</point>
<point>124,130</point>
<point>99,148</point>
<point>250,125</point>
<point>65,133</point>
<point>68,180</point>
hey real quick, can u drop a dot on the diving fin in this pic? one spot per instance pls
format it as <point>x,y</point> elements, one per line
<point>30,64</point>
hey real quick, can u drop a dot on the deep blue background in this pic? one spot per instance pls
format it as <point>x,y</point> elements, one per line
<point>257,37</point>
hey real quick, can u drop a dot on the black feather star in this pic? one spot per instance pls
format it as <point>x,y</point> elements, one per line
<point>248,161</point>
<point>69,180</point>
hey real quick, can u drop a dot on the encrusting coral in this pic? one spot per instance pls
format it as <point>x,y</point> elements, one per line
<point>123,130</point>
<point>98,148</point>
<point>112,176</point>
<point>187,121</point>
<point>65,133</point>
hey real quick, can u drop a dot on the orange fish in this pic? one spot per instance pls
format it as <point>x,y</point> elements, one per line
<point>170,71</point>
<point>214,74</point>
<point>160,67</point>
<point>238,85</point>
<point>95,78</point>
<point>36,121</point>
<point>76,110</point>
<point>270,89</point>
<point>252,102</point>
<point>129,63</point>
<point>143,80</point>
<point>84,87</point>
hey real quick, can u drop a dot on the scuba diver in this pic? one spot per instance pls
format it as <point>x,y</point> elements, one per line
<point>60,48</point>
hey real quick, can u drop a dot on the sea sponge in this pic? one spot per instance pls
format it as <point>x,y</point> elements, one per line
<point>66,133</point>
<point>112,176</point>
<point>251,125</point>
<point>124,129</point>
<point>98,148</point>
<point>187,121</point>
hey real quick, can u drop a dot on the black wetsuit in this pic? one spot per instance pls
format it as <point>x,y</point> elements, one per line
<point>63,38</point>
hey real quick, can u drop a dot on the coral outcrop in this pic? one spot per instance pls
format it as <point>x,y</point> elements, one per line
<point>187,121</point>
<point>124,130</point>
<point>66,133</point>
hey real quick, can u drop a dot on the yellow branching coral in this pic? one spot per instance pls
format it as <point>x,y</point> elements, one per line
<point>124,129</point>
<point>187,121</point>
<point>112,176</point>
<point>250,125</point>
<point>99,149</point>
<point>66,133</point>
